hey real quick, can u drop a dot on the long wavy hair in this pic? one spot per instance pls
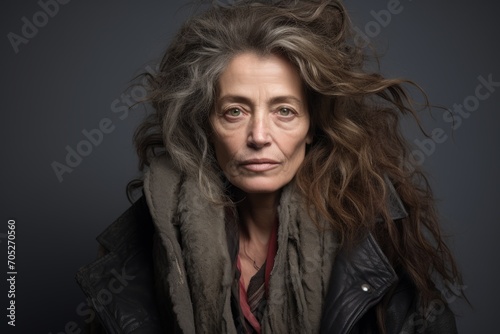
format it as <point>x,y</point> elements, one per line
<point>355,117</point>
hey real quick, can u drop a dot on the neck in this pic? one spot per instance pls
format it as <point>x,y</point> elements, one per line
<point>258,216</point>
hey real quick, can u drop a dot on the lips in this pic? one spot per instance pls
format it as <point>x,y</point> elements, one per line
<point>259,165</point>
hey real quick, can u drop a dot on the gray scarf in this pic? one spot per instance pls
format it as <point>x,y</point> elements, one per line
<point>193,267</point>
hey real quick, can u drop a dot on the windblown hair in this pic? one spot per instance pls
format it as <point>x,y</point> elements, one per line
<point>355,115</point>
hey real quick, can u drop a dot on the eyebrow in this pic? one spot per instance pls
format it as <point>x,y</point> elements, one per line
<point>274,100</point>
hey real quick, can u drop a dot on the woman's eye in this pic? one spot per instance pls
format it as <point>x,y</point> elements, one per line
<point>234,112</point>
<point>285,112</point>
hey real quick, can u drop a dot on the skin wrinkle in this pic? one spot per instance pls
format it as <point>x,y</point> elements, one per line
<point>242,86</point>
<point>261,113</point>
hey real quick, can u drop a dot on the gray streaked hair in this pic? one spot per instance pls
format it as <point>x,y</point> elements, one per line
<point>183,92</point>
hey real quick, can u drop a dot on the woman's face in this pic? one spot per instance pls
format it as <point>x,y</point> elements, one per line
<point>260,122</point>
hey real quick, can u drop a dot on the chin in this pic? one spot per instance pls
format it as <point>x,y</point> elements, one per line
<point>253,186</point>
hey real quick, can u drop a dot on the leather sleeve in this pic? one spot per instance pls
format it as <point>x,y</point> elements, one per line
<point>436,318</point>
<point>405,315</point>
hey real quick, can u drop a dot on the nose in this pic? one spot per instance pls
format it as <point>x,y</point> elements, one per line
<point>258,134</point>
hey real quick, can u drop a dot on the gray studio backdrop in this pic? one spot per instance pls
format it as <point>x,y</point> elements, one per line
<point>66,65</point>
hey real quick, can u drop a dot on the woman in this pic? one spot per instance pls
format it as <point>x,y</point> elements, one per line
<point>277,193</point>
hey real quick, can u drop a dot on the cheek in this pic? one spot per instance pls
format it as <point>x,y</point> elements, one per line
<point>300,154</point>
<point>224,150</point>
<point>295,148</point>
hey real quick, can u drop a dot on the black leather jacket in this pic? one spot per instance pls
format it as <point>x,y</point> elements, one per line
<point>119,287</point>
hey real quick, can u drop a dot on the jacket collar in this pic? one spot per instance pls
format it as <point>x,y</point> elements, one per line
<point>118,284</point>
<point>362,274</point>
<point>396,208</point>
<point>360,278</point>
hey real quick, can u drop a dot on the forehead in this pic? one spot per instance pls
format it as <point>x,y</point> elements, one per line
<point>248,72</point>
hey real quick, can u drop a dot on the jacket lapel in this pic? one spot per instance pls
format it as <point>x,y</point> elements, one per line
<point>361,276</point>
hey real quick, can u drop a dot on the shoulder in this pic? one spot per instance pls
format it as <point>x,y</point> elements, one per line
<point>434,318</point>
<point>129,230</point>
<point>363,279</point>
<point>118,285</point>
